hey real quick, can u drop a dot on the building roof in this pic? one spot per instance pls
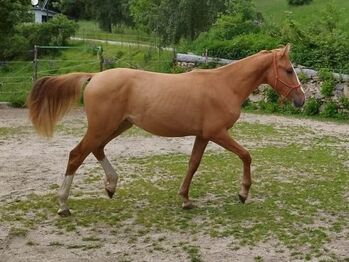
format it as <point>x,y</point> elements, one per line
<point>44,10</point>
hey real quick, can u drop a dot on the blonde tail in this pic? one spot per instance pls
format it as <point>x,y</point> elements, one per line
<point>52,97</point>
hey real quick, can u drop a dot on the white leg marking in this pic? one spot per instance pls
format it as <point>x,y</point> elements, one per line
<point>63,193</point>
<point>111,177</point>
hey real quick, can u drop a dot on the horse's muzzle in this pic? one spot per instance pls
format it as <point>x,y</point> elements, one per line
<point>298,102</point>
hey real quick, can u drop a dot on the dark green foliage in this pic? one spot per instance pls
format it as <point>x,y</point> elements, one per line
<point>248,105</point>
<point>311,107</point>
<point>12,13</point>
<point>326,87</point>
<point>270,95</point>
<point>172,20</point>
<point>268,107</point>
<point>321,44</point>
<point>299,2</point>
<point>242,31</point>
<point>325,74</point>
<point>328,83</point>
<point>236,34</point>
<point>238,47</point>
<point>14,46</point>
<point>55,32</point>
<point>82,9</point>
<point>111,12</point>
<point>330,109</point>
<point>344,102</point>
<point>20,43</point>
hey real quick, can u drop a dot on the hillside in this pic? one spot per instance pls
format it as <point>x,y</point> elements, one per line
<point>274,10</point>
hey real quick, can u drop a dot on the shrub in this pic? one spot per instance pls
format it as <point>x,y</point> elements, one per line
<point>303,78</point>
<point>270,95</point>
<point>330,109</point>
<point>311,107</point>
<point>326,87</point>
<point>55,32</point>
<point>344,101</point>
<point>288,108</point>
<point>321,44</point>
<point>268,107</point>
<point>299,2</point>
<point>236,34</point>
<point>325,74</point>
<point>15,46</point>
<point>248,105</point>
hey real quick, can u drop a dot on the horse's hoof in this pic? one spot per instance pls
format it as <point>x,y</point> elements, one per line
<point>110,193</point>
<point>242,199</point>
<point>188,205</point>
<point>64,212</point>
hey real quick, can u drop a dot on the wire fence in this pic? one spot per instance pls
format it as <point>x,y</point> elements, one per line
<point>16,77</point>
<point>124,39</point>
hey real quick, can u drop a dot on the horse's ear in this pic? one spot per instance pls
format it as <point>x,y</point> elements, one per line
<point>286,49</point>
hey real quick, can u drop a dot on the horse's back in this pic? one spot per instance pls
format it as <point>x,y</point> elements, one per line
<point>163,104</point>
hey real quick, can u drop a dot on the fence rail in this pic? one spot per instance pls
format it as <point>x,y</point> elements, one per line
<point>19,80</point>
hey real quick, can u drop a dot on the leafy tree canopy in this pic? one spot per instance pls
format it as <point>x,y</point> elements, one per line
<point>174,19</point>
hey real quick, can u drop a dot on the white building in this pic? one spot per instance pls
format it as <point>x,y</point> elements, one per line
<point>42,15</point>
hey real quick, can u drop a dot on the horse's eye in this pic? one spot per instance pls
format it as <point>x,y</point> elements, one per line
<point>289,71</point>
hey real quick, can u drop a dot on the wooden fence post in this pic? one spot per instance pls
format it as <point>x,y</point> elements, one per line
<point>35,63</point>
<point>206,56</point>
<point>101,58</point>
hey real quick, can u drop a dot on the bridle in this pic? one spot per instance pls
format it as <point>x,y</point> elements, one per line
<point>277,79</point>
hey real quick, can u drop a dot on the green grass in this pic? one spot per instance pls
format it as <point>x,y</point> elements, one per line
<point>297,199</point>
<point>16,77</point>
<point>90,30</point>
<point>275,10</point>
<point>6,132</point>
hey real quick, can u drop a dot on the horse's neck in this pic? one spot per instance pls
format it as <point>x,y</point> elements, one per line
<point>246,75</point>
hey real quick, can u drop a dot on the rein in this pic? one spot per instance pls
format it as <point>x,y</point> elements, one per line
<point>277,79</point>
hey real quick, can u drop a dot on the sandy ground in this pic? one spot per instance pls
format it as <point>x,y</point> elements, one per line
<point>30,164</point>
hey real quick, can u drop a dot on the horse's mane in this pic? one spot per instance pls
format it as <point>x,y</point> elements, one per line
<point>269,51</point>
<point>265,51</point>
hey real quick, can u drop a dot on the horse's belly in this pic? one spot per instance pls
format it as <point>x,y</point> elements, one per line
<point>167,126</point>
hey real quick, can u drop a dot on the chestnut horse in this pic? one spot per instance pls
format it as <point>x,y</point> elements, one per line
<point>201,103</point>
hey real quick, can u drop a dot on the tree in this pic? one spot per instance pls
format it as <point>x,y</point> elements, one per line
<point>12,13</point>
<point>111,12</point>
<point>299,2</point>
<point>174,19</point>
<point>79,9</point>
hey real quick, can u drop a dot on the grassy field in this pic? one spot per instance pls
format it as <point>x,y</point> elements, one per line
<point>16,76</point>
<point>299,199</point>
<point>90,29</point>
<point>275,10</point>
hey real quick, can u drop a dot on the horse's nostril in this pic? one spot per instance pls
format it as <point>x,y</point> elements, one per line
<point>298,103</point>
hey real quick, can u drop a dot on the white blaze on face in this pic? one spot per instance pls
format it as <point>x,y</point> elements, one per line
<point>299,83</point>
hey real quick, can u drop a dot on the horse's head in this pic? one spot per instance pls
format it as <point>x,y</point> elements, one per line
<point>283,78</point>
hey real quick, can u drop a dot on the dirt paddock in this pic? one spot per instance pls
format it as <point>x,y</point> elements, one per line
<point>31,165</point>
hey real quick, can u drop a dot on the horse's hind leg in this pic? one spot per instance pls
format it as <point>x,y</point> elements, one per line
<point>194,162</point>
<point>88,144</point>
<point>76,157</point>
<point>111,177</point>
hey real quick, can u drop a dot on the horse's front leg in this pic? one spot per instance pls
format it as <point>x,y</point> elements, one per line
<point>195,159</point>
<point>223,139</point>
